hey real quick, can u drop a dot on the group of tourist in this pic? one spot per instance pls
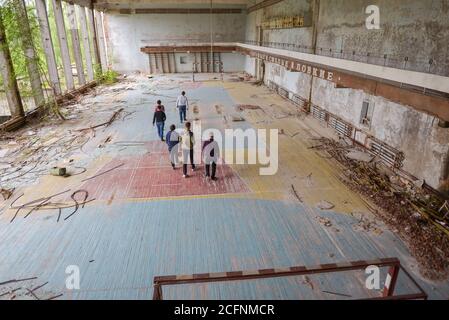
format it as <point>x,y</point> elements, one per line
<point>185,142</point>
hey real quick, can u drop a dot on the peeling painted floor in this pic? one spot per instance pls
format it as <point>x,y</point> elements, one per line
<point>147,221</point>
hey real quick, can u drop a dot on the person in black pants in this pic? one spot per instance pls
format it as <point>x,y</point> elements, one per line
<point>211,153</point>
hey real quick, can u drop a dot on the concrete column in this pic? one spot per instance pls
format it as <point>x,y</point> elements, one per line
<point>8,75</point>
<point>93,33</point>
<point>65,55</point>
<point>30,54</point>
<point>86,43</point>
<point>101,40</point>
<point>73,25</point>
<point>47,44</point>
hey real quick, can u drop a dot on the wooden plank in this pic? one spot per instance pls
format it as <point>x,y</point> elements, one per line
<point>76,43</point>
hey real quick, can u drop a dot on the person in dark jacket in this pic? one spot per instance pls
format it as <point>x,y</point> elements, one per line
<point>211,153</point>
<point>159,119</point>
<point>159,106</point>
<point>172,140</point>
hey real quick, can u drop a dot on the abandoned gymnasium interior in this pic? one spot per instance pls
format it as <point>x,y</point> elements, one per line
<point>224,150</point>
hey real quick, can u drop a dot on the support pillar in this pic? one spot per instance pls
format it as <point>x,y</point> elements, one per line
<point>9,76</point>
<point>65,55</point>
<point>101,40</point>
<point>86,43</point>
<point>30,54</point>
<point>47,44</point>
<point>73,25</point>
<point>93,32</point>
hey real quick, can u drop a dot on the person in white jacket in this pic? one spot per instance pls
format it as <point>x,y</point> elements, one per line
<point>187,145</point>
<point>182,103</point>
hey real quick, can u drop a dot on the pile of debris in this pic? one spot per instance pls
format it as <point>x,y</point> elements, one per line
<point>411,209</point>
<point>35,150</point>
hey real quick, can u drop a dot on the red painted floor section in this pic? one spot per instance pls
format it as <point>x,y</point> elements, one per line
<point>151,176</point>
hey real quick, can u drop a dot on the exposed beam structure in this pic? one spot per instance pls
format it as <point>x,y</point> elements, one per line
<point>86,42</point>
<point>263,4</point>
<point>188,49</point>
<point>47,44</point>
<point>30,54</point>
<point>9,76</point>
<point>65,55</point>
<point>180,11</point>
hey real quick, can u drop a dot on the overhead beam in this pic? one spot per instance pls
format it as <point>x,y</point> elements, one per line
<point>9,76</point>
<point>263,4</point>
<point>47,44</point>
<point>30,54</point>
<point>76,47</point>
<point>187,49</point>
<point>179,11</point>
<point>86,43</point>
<point>62,37</point>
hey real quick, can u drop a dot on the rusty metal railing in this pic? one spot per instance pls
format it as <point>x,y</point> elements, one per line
<point>387,294</point>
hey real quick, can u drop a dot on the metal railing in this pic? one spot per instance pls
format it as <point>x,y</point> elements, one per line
<point>426,65</point>
<point>393,264</point>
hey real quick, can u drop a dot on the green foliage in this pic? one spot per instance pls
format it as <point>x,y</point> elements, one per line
<point>107,77</point>
<point>14,38</point>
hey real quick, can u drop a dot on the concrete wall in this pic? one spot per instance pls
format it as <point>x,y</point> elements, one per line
<point>412,28</point>
<point>409,28</point>
<point>128,33</point>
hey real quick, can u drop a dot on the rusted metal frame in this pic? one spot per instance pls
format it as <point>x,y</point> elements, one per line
<point>270,273</point>
<point>390,282</point>
<point>263,4</point>
<point>393,263</point>
<point>415,296</point>
<point>184,49</point>
<point>267,273</point>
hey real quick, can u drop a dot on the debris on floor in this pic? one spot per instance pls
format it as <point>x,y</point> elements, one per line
<point>57,171</point>
<point>325,205</point>
<point>6,194</point>
<point>295,193</point>
<point>325,222</point>
<point>410,209</point>
<point>243,107</point>
<point>236,118</point>
<point>359,156</point>
<point>25,289</point>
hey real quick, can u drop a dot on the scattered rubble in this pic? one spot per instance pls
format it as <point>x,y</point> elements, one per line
<point>409,208</point>
<point>325,205</point>
<point>25,289</point>
<point>325,222</point>
<point>243,107</point>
